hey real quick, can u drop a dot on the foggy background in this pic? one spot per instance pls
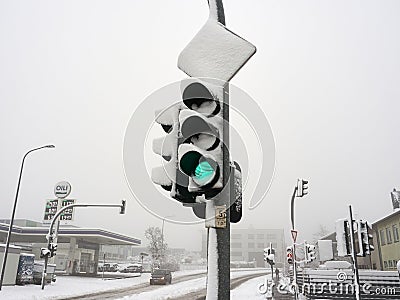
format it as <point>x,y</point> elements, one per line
<point>326,74</point>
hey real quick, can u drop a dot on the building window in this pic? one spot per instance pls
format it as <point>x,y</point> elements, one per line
<point>271,236</point>
<point>395,233</point>
<point>382,234</point>
<point>389,235</point>
<point>236,254</point>
<point>251,236</point>
<point>251,245</point>
<point>236,236</point>
<point>236,245</point>
<point>260,245</point>
<point>260,236</point>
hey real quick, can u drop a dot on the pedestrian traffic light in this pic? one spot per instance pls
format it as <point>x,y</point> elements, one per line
<point>289,255</point>
<point>200,154</point>
<point>53,249</point>
<point>310,253</point>
<point>169,176</point>
<point>302,187</point>
<point>343,238</point>
<point>365,238</point>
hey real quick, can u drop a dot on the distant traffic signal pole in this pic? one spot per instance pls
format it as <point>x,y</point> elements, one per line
<point>300,190</point>
<point>354,255</point>
<point>3,268</point>
<point>51,247</point>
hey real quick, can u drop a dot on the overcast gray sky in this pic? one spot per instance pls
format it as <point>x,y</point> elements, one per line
<point>326,74</point>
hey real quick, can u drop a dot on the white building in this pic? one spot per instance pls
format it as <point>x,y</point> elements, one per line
<point>248,245</point>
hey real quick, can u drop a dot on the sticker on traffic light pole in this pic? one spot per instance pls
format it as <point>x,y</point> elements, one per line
<point>220,216</point>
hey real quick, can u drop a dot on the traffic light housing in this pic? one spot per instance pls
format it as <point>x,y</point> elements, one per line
<point>310,252</point>
<point>289,255</point>
<point>53,249</point>
<point>302,187</point>
<point>169,176</point>
<point>343,238</point>
<point>44,252</point>
<point>123,207</point>
<point>365,238</point>
<point>236,210</point>
<point>269,255</point>
<point>201,122</point>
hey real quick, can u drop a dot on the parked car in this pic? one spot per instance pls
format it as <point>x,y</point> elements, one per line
<point>136,268</point>
<point>161,276</point>
<point>107,268</point>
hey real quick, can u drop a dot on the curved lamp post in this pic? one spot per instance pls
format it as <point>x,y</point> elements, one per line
<point>13,213</point>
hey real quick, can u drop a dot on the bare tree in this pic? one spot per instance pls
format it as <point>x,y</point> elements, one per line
<point>157,245</point>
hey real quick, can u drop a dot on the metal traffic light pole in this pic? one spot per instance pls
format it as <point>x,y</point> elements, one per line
<point>50,234</point>
<point>294,244</point>
<point>354,255</point>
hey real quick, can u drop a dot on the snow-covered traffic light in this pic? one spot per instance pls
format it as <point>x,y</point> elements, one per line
<point>310,252</point>
<point>200,154</point>
<point>302,187</point>
<point>343,239</point>
<point>53,249</point>
<point>289,255</point>
<point>365,238</point>
<point>44,252</point>
<point>168,175</point>
<point>269,255</point>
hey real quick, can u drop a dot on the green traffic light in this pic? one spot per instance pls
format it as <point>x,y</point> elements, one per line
<point>204,171</point>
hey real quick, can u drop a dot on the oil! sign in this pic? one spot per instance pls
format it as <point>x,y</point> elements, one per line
<point>62,189</point>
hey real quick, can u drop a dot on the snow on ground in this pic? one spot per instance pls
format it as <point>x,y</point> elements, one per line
<point>183,288</point>
<point>248,290</point>
<point>69,286</point>
<point>75,286</point>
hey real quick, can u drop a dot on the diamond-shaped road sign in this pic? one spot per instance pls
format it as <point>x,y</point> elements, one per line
<point>215,52</point>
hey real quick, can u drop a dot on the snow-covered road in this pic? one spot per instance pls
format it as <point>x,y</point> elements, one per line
<point>69,287</point>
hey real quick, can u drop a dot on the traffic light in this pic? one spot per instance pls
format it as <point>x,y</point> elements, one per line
<point>365,238</point>
<point>343,239</point>
<point>169,176</point>
<point>52,249</point>
<point>302,187</point>
<point>266,254</point>
<point>200,154</point>
<point>123,207</point>
<point>269,255</point>
<point>289,255</point>
<point>236,194</point>
<point>310,254</point>
<point>44,252</point>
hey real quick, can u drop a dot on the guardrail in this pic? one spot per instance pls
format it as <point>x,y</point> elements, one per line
<point>339,284</point>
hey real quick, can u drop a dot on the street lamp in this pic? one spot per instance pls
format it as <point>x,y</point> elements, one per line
<point>13,213</point>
